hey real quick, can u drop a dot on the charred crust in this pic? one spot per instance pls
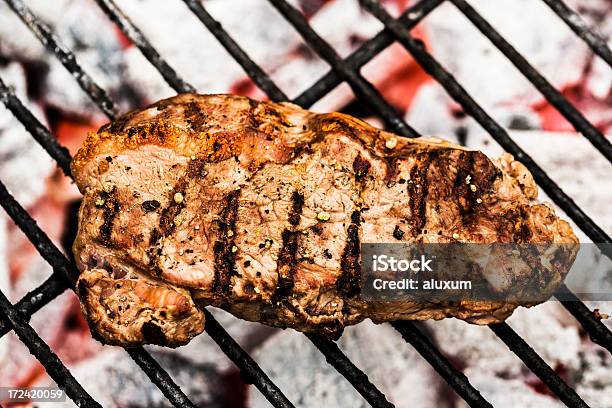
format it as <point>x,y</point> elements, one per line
<point>391,168</point>
<point>348,282</point>
<point>398,233</point>
<point>195,117</point>
<point>81,289</point>
<point>361,167</point>
<point>465,196</point>
<point>111,208</point>
<point>153,334</point>
<point>287,263</point>
<point>225,259</point>
<point>418,189</point>
<point>475,177</point>
<point>116,126</point>
<point>166,221</point>
<point>197,168</point>
<point>327,254</point>
<point>287,256</point>
<point>297,202</point>
<point>150,205</point>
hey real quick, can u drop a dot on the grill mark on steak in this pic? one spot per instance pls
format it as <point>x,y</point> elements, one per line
<point>195,169</point>
<point>111,207</point>
<point>465,196</point>
<point>195,117</point>
<point>418,188</point>
<point>287,256</point>
<point>347,283</point>
<point>225,256</point>
<point>361,167</point>
<point>297,202</point>
<point>391,168</point>
<point>168,214</point>
<point>475,177</point>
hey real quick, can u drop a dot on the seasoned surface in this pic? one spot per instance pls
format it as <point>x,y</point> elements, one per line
<point>260,208</point>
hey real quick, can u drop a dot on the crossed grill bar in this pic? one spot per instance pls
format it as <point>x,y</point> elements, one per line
<point>15,317</point>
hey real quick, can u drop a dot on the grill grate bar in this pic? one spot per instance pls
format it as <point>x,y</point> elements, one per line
<point>56,369</point>
<point>552,95</point>
<point>35,128</point>
<point>34,300</point>
<point>365,53</point>
<point>459,94</point>
<point>537,365</point>
<point>160,377</point>
<point>137,37</point>
<point>581,28</point>
<point>65,56</point>
<point>455,378</point>
<point>257,75</point>
<point>362,88</point>
<point>249,369</point>
<point>59,262</point>
<point>597,331</point>
<point>344,366</point>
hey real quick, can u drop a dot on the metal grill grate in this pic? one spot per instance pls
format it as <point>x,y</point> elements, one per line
<point>15,317</point>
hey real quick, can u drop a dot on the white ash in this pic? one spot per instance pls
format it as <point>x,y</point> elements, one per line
<point>48,323</point>
<point>502,393</point>
<point>595,384</point>
<point>18,149</point>
<point>114,380</point>
<point>18,42</point>
<point>194,52</point>
<point>203,350</point>
<point>599,82</point>
<point>275,46</point>
<point>532,28</point>
<point>85,30</point>
<point>501,376</point>
<point>300,370</point>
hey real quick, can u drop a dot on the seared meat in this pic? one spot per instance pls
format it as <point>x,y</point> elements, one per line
<point>260,208</point>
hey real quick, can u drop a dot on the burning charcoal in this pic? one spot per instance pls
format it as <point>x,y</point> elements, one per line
<point>203,350</point>
<point>300,370</point>
<point>19,365</point>
<point>86,31</point>
<point>196,54</point>
<point>18,150</point>
<point>510,393</point>
<point>502,378</point>
<point>596,378</point>
<point>17,40</point>
<point>542,37</point>
<point>114,380</point>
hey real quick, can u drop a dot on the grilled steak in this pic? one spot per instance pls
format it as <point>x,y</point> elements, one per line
<point>260,208</point>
